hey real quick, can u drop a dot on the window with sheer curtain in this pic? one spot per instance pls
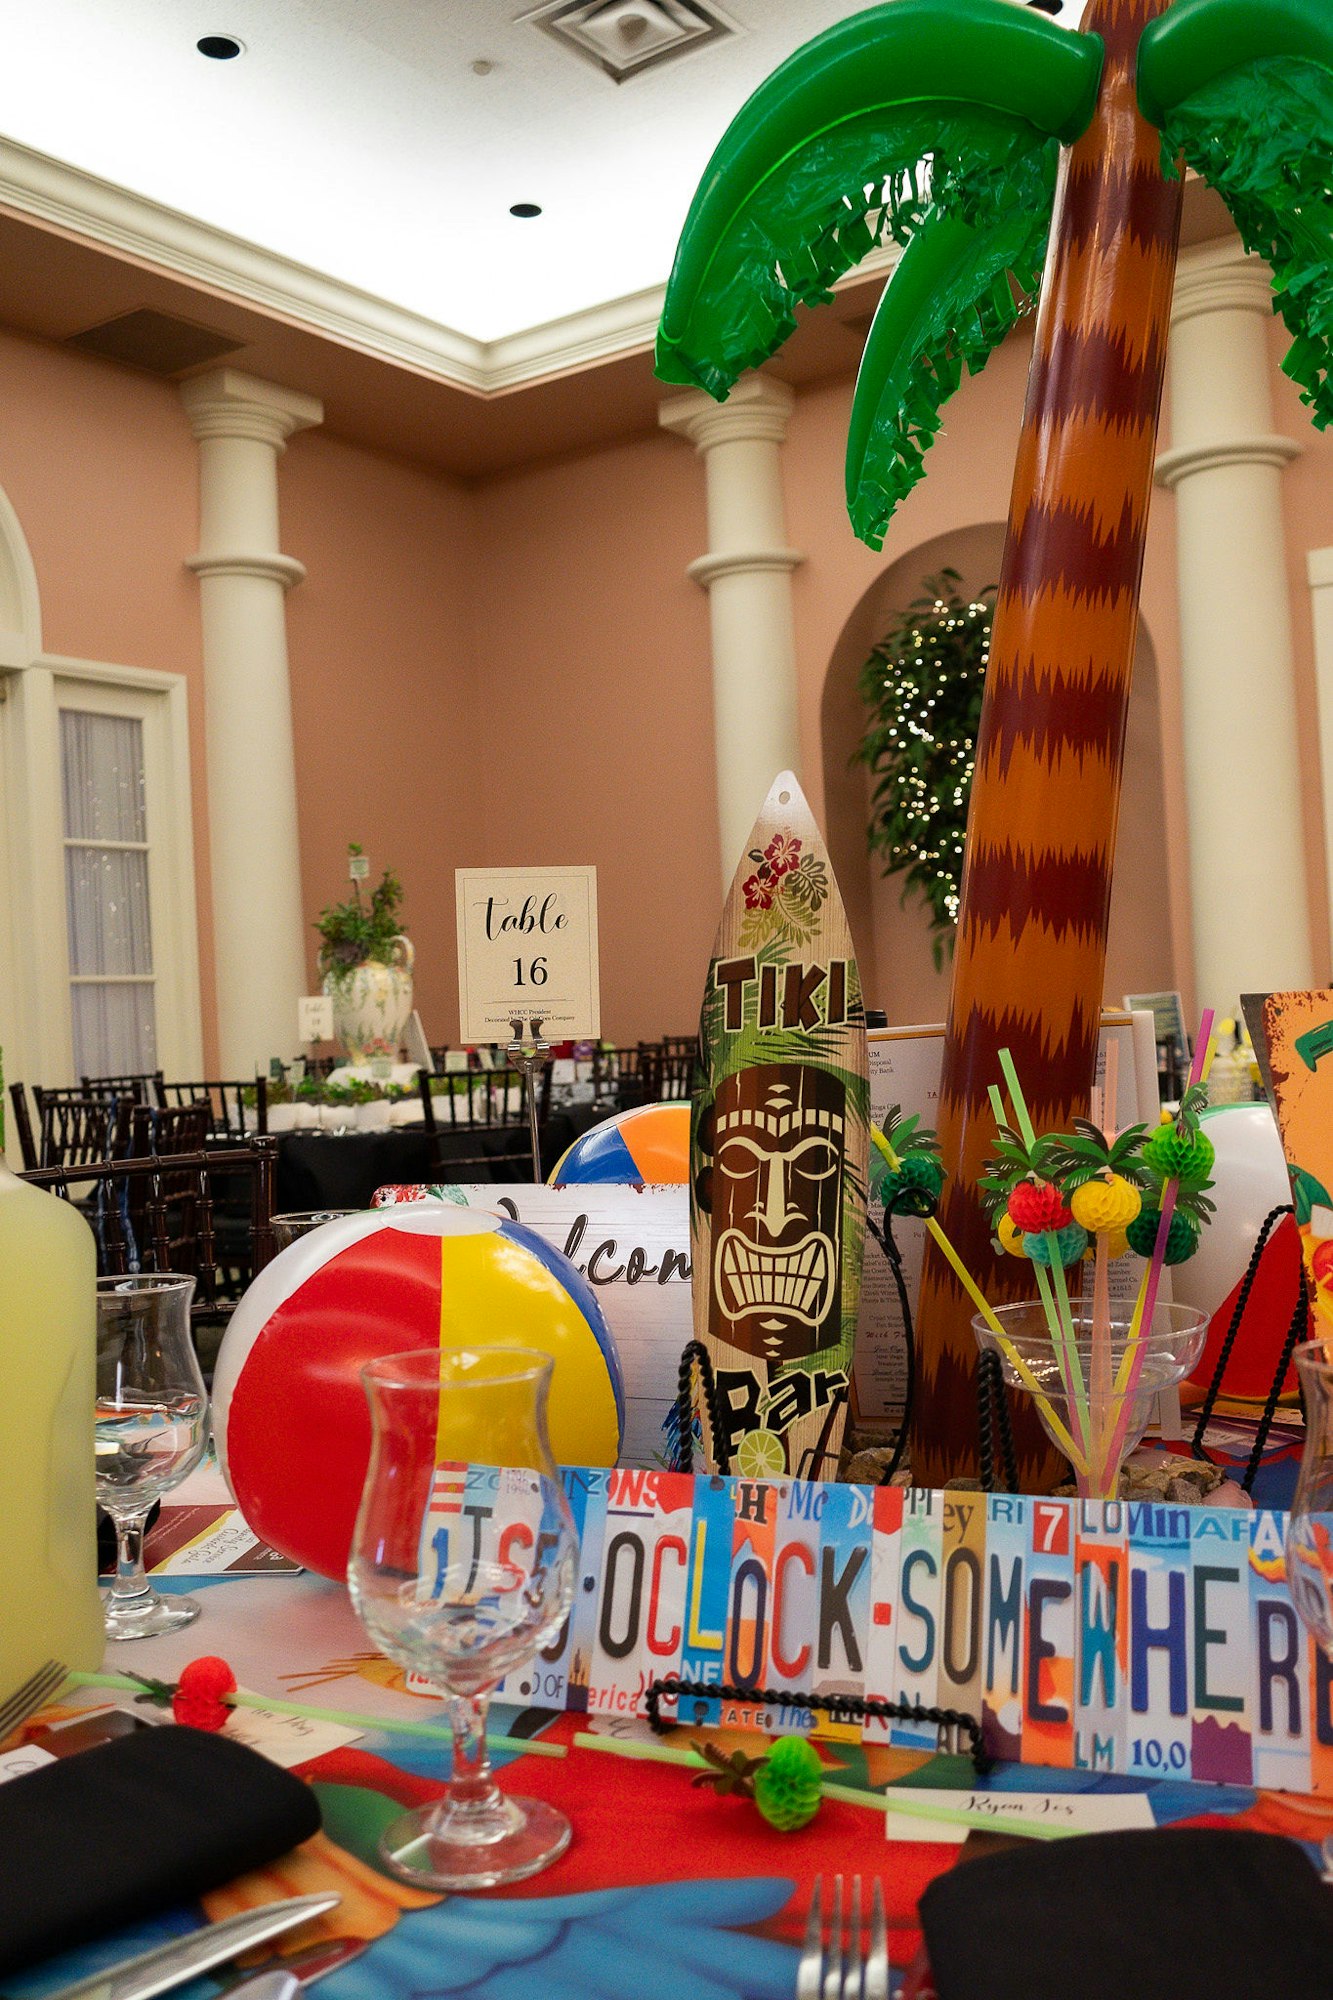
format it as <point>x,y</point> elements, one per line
<point>107,860</point>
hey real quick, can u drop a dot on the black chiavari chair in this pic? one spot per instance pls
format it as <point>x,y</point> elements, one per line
<point>74,1130</point>
<point>228,1119</point>
<point>493,1102</point>
<point>18,1097</point>
<point>163,1213</point>
<point>138,1087</point>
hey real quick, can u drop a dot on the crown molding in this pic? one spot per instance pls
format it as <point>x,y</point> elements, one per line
<point>47,190</point>
<point>38,188</point>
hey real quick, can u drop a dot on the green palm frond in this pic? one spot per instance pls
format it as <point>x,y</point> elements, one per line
<point>1194,1202</point>
<point>955,106</point>
<point>1086,1153</point>
<point>947,307</point>
<point>1243,89</point>
<point>1013,1160</point>
<point>903,1133</point>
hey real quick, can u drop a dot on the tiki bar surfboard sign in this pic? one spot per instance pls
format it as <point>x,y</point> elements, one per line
<point>778,1142</point>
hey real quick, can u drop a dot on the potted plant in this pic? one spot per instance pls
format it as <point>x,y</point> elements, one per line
<point>366,962</point>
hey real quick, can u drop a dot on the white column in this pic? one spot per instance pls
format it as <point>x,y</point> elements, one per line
<point>747,574</point>
<point>1242,770</point>
<point>1319,570</point>
<point>258,923</point>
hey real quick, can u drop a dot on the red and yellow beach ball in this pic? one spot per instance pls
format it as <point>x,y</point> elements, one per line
<point>649,1143</point>
<point>289,1412</point>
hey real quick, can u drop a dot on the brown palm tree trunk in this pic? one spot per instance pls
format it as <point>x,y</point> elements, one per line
<point>1031,948</point>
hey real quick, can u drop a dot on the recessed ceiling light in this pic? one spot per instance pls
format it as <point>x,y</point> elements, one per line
<point>525,210</point>
<point>220,48</point>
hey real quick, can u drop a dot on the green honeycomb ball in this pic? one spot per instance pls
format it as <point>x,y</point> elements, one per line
<point>1182,1238</point>
<point>913,1187</point>
<point>787,1784</point>
<point>1188,1160</point>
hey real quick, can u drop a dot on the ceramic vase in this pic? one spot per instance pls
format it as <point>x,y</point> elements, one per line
<point>371,1004</point>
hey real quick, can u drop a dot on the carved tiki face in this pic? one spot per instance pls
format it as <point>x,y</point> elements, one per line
<point>776,1199</point>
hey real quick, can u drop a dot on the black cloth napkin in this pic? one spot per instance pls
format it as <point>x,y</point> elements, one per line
<point>1187,1914</point>
<point>113,1834</point>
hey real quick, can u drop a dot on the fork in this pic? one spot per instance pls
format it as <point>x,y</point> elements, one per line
<point>844,1972</point>
<point>36,1691</point>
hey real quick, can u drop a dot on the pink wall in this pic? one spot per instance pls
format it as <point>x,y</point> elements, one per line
<point>593,664</point>
<point>100,467</point>
<point>518,671</point>
<point>395,746</point>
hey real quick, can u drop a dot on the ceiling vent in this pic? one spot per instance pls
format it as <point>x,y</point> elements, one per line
<point>154,341</point>
<point>626,37</point>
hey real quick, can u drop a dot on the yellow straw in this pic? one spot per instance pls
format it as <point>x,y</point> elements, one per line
<point>1007,1348</point>
<point>983,1306</point>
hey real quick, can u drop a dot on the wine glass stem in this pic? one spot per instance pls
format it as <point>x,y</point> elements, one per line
<point>471,1784</point>
<point>131,1579</point>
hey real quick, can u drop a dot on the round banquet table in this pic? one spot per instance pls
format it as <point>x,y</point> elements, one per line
<point>343,1169</point>
<point>666,1892</point>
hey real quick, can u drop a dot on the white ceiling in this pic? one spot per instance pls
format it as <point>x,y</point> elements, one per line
<point>353,137</point>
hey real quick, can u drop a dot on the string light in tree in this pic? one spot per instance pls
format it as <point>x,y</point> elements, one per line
<point>922,688</point>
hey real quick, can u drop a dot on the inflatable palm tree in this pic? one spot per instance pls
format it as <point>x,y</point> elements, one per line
<point>994,146</point>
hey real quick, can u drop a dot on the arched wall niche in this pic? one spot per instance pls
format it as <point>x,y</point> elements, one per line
<point>892,940</point>
<point>20,606</point>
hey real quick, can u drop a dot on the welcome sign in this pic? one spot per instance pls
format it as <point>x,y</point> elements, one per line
<point>1134,1638</point>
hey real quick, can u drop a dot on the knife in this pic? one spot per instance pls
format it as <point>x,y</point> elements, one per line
<point>180,1959</point>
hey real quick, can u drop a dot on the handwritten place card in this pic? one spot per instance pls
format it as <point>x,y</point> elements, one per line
<point>1074,1812</point>
<point>527,945</point>
<point>288,1739</point>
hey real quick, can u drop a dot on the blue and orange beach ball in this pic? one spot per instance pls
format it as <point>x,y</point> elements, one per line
<point>649,1143</point>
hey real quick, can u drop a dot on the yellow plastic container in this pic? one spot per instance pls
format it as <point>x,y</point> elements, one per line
<point>49,1605</point>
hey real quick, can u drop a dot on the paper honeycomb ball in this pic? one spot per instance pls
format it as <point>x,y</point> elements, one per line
<point>1188,1159</point>
<point>650,1142</point>
<point>1037,1205</point>
<point>1182,1236</point>
<point>1068,1244</point>
<point>1105,1206</point>
<point>914,1186</point>
<point>289,1412</point>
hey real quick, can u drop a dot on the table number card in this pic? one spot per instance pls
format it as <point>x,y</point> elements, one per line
<point>527,945</point>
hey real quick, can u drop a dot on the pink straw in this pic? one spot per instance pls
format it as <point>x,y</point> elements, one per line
<point>1100,1413</point>
<point>1157,1265</point>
